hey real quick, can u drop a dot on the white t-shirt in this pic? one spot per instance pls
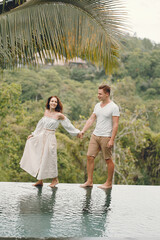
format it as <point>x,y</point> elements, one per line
<point>104,118</point>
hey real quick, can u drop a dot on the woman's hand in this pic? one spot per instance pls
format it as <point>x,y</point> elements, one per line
<point>29,136</point>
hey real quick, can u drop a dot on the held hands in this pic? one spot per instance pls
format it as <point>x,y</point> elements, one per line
<point>80,134</point>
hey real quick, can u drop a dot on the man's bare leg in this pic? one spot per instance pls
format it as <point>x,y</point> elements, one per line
<point>90,169</point>
<point>108,183</point>
<point>54,182</point>
<point>38,183</point>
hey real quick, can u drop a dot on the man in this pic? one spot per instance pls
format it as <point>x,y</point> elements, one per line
<point>106,113</point>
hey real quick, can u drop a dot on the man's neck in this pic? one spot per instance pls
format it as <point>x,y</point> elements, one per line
<point>105,102</point>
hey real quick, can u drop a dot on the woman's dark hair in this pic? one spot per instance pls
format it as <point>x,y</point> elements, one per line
<point>59,107</point>
<point>105,88</point>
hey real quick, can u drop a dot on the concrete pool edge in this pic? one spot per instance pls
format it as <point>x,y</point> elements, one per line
<point>80,238</point>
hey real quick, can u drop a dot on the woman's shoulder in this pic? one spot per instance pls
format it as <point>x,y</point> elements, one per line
<point>46,112</point>
<point>57,115</point>
<point>60,116</point>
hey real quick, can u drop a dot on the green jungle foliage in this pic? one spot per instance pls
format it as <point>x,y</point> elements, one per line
<point>135,88</point>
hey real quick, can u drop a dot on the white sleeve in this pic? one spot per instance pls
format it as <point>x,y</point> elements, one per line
<point>39,127</point>
<point>116,112</point>
<point>95,108</point>
<point>69,127</point>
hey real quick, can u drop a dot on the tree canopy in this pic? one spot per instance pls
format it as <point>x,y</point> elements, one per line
<point>23,94</point>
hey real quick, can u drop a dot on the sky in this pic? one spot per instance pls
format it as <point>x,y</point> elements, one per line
<point>144,18</point>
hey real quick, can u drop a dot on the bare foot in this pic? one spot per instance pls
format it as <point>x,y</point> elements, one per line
<point>86,184</point>
<point>39,183</point>
<point>105,186</point>
<point>54,183</point>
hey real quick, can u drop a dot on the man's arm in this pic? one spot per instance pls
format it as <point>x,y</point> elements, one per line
<point>114,131</point>
<point>88,124</point>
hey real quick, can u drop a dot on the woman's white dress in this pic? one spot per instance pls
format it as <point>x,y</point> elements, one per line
<point>40,154</point>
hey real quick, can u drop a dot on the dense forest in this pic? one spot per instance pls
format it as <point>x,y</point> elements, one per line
<point>135,88</point>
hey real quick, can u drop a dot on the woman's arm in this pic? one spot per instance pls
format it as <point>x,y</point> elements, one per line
<point>68,125</point>
<point>38,128</point>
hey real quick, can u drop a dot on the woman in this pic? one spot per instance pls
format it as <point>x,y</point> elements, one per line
<point>40,154</point>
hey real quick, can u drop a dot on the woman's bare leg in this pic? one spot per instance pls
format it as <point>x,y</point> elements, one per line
<point>38,183</point>
<point>54,182</point>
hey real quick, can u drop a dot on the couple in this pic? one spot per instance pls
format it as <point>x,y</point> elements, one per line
<point>40,154</point>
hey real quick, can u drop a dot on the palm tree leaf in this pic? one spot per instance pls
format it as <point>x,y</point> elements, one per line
<point>87,29</point>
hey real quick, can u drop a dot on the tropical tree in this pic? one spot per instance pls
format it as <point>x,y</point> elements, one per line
<point>51,29</point>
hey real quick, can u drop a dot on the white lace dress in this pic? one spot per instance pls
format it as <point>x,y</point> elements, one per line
<point>40,154</point>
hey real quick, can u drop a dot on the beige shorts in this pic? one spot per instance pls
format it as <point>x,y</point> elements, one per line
<point>97,144</point>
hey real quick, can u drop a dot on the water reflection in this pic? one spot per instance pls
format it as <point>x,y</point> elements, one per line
<point>66,211</point>
<point>107,199</point>
<point>71,211</point>
<point>37,203</point>
<point>35,212</point>
<point>94,213</point>
<point>87,201</point>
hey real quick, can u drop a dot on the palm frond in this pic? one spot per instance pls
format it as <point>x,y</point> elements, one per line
<point>87,29</point>
<point>7,5</point>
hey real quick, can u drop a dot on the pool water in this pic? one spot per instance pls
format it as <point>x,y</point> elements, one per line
<point>125,212</point>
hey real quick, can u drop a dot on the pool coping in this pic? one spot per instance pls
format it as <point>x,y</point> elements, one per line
<point>63,238</point>
<point>77,238</point>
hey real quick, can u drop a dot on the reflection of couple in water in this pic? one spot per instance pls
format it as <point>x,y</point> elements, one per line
<point>95,212</point>
<point>51,219</point>
<point>40,154</point>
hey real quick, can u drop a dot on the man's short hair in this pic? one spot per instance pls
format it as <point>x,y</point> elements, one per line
<point>105,88</point>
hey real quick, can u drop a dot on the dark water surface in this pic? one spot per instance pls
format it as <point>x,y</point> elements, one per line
<point>68,211</point>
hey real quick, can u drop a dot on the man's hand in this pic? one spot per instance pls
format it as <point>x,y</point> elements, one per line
<point>110,143</point>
